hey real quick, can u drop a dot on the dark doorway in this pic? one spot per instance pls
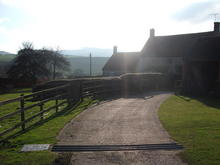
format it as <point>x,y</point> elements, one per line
<point>210,72</point>
<point>205,75</point>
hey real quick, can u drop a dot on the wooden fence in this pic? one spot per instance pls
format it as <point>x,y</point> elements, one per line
<point>101,88</point>
<point>40,103</point>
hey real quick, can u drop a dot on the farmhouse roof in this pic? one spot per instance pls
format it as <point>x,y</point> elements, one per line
<point>206,49</point>
<point>177,45</point>
<point>122,61</point>
<point>192,46</point>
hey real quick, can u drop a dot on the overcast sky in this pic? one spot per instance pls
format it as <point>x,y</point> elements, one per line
<point>73,24</point>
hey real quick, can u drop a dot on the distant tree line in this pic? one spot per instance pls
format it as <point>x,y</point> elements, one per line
<point>33,64</point>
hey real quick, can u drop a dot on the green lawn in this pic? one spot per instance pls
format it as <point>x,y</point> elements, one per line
<point>42,134</point>
<point>4,97</point>
<point>194,123</point>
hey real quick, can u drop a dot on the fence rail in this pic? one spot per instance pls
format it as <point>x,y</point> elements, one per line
<point>28,102</point>
<point>10,101</point>
<point>35,106</point>
<point>66,94</point>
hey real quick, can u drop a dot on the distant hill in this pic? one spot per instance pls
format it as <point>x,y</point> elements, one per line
<point>78,64</point>
<point>3,52</point>
<point>96,52</point>
<point>81,64</point>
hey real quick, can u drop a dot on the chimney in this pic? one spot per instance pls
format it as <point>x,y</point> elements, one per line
<point>152,33</point>
<point>216,26</point>
<point>115,49</point>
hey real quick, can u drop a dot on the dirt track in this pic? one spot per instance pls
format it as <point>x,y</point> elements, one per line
<point>121,121</point>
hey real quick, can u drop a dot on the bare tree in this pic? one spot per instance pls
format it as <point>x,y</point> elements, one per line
<point>58,62</point>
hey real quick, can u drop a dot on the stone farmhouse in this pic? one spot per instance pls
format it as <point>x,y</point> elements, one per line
<point>192,58</point>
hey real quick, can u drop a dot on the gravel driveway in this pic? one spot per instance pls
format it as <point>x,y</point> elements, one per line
<point>122,121</point>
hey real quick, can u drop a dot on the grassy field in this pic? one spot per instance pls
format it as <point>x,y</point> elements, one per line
<point>42,134</point>
<point>194,123</point>
<point>7,57</point>
<point>82,63</point>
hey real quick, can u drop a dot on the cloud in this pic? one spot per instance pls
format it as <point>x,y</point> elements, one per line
<point>4,19</point>
<point>198,12</point>
<point>97,23</point>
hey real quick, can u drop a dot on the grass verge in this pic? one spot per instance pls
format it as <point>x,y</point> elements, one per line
<point>41,134</point>
<point>194,123</point>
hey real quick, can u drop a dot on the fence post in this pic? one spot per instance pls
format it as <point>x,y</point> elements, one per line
<point>72,92</point>
<point>22,112</point>
<point>69,88</point>
<point>56,102</point>
<point>41,108</point>
<point>81,90</point>
<point>57,105</point>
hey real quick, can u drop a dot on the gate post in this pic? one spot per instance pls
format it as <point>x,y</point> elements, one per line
<point>22,112</point>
